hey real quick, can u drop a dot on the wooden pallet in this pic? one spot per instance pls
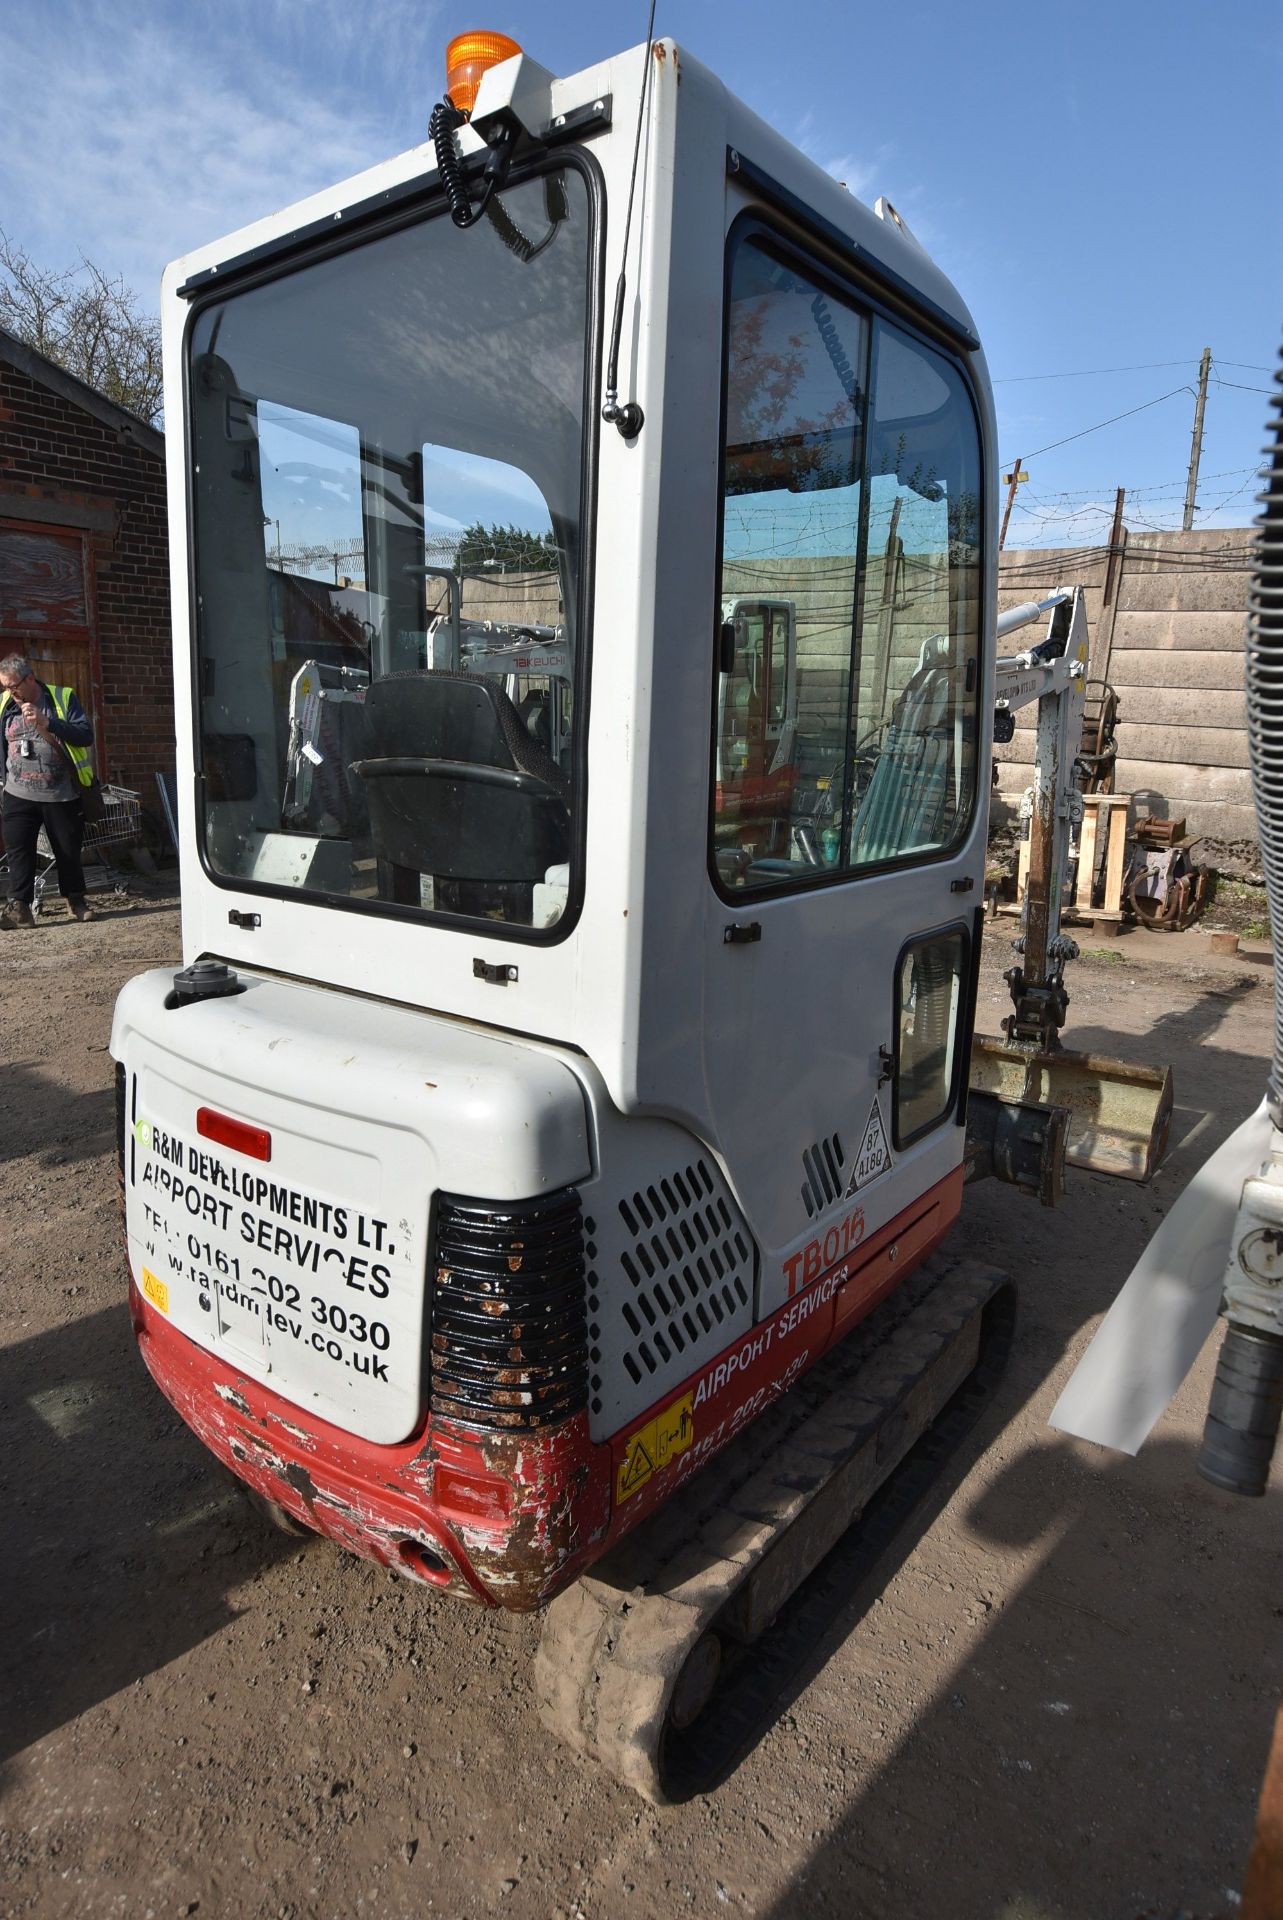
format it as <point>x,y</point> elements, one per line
<point>1104,822</point>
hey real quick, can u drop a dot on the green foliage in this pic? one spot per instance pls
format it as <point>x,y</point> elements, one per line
<point>508,549</point>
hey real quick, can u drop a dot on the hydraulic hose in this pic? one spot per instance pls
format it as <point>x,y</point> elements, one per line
<point>1246,1406</point>
<point>1265,709</point>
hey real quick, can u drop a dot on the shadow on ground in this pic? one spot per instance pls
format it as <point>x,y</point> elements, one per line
<point>1099,1752</point>
<point>121,1535</point>
<point>40,1117</point>
<point>1111,1713</point>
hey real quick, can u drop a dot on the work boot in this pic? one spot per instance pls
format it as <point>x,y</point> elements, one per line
<point>16,914</point>
<point>78,910</point>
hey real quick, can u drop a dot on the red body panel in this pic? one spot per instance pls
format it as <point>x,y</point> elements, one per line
<point>510,1518</point>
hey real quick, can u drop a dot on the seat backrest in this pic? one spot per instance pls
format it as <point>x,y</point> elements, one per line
<point>453,827</point>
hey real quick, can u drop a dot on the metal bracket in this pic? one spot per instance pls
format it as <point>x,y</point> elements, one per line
<point>1041,1007</point>
<point>886,1066</point>
<point>580,122</point>
<point>496,974</point>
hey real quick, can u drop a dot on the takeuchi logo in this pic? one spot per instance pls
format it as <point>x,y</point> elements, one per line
<point>142,1133</point>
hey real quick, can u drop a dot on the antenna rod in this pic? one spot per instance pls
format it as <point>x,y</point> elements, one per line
<point>627,418</point>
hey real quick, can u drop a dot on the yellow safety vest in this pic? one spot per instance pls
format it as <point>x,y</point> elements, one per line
<point>79,756</point>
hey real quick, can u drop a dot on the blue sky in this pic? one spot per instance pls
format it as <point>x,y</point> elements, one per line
<point>1100,180</point>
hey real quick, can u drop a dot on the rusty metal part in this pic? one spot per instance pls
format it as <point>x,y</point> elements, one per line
<point>1017,1142</point>
<point>557,1512</point>
<point>1179,907</point>
<point>1152,832</point>
<point>1098,752</point>
<point>1120,1114</point>
<point>1263,1887</point>
<point>627,1652</point>
<point>509,1515</point>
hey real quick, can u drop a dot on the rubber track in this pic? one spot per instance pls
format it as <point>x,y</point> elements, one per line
<point>614,1644</point>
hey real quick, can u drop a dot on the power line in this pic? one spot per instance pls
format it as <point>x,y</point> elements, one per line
<point>1089,373</point>
<point>1238,384</point>
<point>1097,494</point>
<point>1142,366</point>
<point>1113,419</point>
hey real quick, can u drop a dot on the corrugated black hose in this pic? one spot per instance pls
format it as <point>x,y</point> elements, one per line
<point>1246,1405</point>
<point>1265,708</point>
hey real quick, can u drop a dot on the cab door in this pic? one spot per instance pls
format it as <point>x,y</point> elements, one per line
<point>840,942</point>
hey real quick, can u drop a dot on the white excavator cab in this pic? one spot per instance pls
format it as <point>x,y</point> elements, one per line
<point>582,809</point>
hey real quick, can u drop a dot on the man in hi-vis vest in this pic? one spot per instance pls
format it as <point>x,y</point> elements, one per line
<point>46,739</point>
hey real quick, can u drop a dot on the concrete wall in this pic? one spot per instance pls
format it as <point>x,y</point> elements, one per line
<point>915,606</point>
<point>1168,636</point>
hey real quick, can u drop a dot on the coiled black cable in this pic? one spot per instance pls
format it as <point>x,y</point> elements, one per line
<point>833,347</point>
<point>512,236</point>
<point>442,128</point>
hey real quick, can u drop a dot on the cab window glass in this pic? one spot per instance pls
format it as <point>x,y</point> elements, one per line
<point>388,501</point>
<point>851,530</point>
<point>929,991</point>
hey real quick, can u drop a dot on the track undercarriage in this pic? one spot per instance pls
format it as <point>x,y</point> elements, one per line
<point>643,1664</point>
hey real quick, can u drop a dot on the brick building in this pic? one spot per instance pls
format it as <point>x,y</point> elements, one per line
<point>84,570</point>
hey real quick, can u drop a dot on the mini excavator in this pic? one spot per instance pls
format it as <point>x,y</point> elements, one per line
<point>535,1174</point>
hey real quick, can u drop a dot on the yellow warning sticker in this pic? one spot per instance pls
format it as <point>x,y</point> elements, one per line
<point>654,1445</point>
<point>156,1290</point>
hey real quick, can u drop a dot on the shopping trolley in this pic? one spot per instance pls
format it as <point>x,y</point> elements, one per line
<point>120,827</point>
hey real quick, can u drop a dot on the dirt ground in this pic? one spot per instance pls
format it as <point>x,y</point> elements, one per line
<point>1053,1701</point>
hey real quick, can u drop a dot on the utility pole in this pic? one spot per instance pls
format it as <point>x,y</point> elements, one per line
<point>1102,639</point>
<point>1196,447</point>
<point>1013,480</point>
<point>1115,547</point>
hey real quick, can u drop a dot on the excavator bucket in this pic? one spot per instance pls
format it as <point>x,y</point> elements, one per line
<point>1119,1114</point>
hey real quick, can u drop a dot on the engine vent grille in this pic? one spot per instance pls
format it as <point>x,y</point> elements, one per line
<point>823,1182</point>
<point>687,1271</point>
<point>509,1341</point>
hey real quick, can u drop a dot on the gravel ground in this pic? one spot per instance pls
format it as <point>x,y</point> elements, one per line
<point>1053,1701</point>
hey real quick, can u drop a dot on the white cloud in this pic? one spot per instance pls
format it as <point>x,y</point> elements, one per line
<point>140,135</point>
<point>860,177</point>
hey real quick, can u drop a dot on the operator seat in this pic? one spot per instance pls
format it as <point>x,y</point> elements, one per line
<point>459,790</point>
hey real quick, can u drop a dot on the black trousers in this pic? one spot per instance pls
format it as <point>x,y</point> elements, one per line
<point>63,821</point>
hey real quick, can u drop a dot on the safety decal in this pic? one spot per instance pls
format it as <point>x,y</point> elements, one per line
<point>874,1157</point>
<point>654,1445</point>
<point>156,1290</point>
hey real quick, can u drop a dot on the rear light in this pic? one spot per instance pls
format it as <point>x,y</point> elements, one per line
<point>467,58</point>
<point>509,1311</point>
<point>236,1134</point>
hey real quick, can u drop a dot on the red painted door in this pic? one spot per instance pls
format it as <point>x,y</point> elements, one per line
<point>47,611</point>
